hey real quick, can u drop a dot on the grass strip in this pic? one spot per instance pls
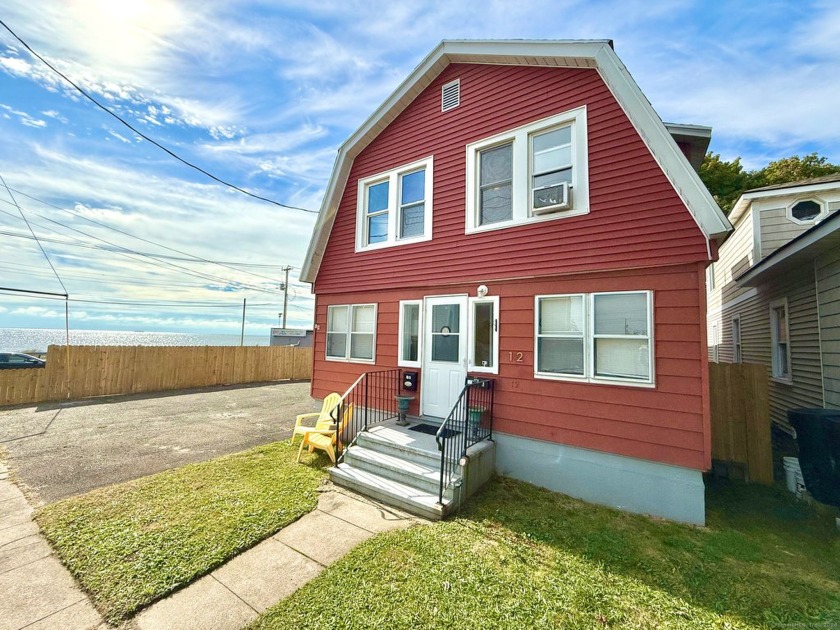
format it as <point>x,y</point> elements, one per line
<point>135,542</point>
<point>522,557</point>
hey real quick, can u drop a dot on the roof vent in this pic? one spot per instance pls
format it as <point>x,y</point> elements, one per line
<point>450,95</point>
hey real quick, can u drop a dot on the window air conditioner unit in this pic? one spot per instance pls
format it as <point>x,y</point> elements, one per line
<point>552,198</point>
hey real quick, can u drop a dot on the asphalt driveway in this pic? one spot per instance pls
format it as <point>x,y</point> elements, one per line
<point>61,449</point>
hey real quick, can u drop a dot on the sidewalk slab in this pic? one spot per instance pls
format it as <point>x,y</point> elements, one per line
<point>322,537</point>
<point>267,573</point>
<point>364,513</point>
<point>15,512</point>
<point>23,552</point>
<point>34,592</point>
<point>205,605</point>
<point>80,616</point>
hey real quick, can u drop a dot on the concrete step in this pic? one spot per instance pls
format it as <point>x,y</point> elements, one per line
<point>407,452</point>
<point>391,465</point>
<point>390,491</point>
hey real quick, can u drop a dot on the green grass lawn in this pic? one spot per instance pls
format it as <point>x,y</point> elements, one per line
<point>521,557</point>
<point>133,543</point>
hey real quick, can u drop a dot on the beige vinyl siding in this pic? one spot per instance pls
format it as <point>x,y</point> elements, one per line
<point>778,230</point>
<point>734,258</point>
<point>806,388</point>
<point>828,293</point>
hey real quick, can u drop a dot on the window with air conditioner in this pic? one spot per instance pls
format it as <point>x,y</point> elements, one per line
<point>537,172</point>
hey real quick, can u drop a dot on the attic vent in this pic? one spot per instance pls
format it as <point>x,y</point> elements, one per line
<point>450,96</point>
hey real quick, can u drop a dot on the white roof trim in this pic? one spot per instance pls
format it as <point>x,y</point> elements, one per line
<point>596,54</point>
<point>745,200</point>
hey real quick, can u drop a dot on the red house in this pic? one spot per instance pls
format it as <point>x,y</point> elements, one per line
<point>516,227</point>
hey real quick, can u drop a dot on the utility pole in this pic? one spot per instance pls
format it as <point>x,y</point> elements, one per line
<point>242,336</point>
<point>287,268</point>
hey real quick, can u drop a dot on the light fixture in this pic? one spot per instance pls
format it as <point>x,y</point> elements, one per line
<point>482,290</point>
<point>464,461</point>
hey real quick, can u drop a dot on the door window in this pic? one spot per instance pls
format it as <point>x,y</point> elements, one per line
<point>446,333</point>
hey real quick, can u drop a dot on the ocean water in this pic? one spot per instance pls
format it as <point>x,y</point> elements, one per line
<point>37,339</point>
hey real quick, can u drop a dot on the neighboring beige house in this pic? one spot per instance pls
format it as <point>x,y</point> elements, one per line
<point>774,293</point>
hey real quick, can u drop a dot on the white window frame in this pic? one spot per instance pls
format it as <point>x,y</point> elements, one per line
<point>472,302</point>
<point>712,281</point>
<point>778,375</point>
<point>715,344</point>
<point>400,360</point>
<point>737,345</point>
<point>522,169</point>
<point>349,333</point>
<point>394,194</point>
<point>589,375</point>
<point>822,214</point>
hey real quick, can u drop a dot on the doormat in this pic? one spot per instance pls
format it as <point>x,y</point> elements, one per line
<point>430,429</point>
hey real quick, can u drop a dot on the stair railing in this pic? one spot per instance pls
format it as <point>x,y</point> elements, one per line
<point>373,402</point>
<point>469,422</point>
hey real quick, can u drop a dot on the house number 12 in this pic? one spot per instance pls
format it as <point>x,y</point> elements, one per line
<point>518,358</point>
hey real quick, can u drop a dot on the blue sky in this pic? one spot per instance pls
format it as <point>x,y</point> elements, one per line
<point>262,94</point>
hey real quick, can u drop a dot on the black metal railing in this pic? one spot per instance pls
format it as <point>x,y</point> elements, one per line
<point>368,402</point>
<point>469,422</point>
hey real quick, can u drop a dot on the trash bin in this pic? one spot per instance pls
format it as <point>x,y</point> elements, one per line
<point>818,438</point>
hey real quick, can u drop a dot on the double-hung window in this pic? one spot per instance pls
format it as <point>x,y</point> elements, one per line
<point>535,172</point>
<point>395,207</point>
<point>779,340</point>
<point>596,337</point>
<point>736,339</point>
<point>351,332</point>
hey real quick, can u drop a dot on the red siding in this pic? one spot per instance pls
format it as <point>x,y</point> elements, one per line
<point>636,218</point>
<point>668,423</point>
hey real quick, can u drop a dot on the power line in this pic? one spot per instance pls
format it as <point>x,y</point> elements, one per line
<point>125,251</point>
<point>144,136</point>
<point>41,247</point>
<point>170,303</point>
<point>140,238</point>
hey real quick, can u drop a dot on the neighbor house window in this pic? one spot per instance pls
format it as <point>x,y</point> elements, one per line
<point>736,339</point>
<point>806,211</point>
<point>409,337</point>
<point>484,335</point>
<point>595,337</point>
<point>779,339</point>
<point>395,207</point>
<point>532,173</point>
<point>711,277</point>
<point>351,332</point>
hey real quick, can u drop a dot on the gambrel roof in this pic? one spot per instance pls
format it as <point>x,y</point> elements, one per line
<point>595,54</point>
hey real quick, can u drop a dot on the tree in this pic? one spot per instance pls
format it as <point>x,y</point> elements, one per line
<point>725,180</point>
<point>728,180</point>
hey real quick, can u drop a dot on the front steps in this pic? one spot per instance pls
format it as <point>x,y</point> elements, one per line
<point>402,468</point>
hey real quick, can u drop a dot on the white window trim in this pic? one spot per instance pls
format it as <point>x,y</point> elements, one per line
<point>737,347</point>
<point>823,210</point>
<point>521,187</point>
<point>774,367</point>
<point>472,367</point>
<point>347,358</point>
<point>393,178</point>
<point>400,361</point>
<point>589,375</point>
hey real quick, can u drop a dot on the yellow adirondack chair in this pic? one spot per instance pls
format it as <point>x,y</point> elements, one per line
<point>322,418</point>
<point>325,439</point>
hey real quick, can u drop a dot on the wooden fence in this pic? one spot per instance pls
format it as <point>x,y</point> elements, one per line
<point>741,419</point>
<point>102,371</point>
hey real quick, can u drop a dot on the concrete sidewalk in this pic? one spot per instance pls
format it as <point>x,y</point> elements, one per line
<point>237,592</point>
<point>36,591</point>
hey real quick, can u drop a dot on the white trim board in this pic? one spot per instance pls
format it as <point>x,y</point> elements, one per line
<point>596,54</point>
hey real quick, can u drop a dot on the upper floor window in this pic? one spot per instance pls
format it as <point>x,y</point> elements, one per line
<point>536,172</point>
<point>806,211</point>
<point>395,207</point>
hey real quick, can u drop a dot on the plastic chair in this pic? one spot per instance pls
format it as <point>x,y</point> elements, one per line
<point>323,419</point>
<point>324,439</point>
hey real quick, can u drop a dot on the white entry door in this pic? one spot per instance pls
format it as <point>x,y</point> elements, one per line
<point>444,354</point>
